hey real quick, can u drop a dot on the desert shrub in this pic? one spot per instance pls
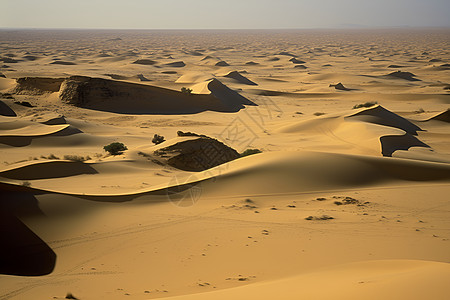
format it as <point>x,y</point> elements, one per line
<point>367,104</point>
<point>76,157</point>
<point>71,296</point>
<point>115,148</point>
<point>26,183</point>
<point>419,111</point>
<point>250,152</point>
<point>157,139</point>
<point>186,91</point>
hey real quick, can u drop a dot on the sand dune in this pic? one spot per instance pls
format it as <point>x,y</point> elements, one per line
<point>381,116</point>
<point>22,133</point>
<point>48,169</point>
<point>278,174</point>
<point>374,129</point>
<point>239,78</point>
<point>443,116</point>
<point>5,110</point>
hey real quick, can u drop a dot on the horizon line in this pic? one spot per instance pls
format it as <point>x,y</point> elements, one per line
<point>340,27</point>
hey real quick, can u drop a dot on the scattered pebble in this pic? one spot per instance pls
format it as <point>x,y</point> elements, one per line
<point>320,218</point>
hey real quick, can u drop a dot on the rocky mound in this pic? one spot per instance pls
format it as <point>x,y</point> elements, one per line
<point>37,85</point>
<point>195,153</point>
<point>126,97</point>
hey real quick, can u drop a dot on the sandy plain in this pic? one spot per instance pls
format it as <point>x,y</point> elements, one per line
<point>342,203</point>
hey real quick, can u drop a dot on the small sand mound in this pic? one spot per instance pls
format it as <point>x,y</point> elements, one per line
<point>62,62</point>
<point>381,116</point>
<point>274,59</point>
<point>193,53</point>
<point>146,62</point>
<point>285,53</point>
<point>54,120</point>
<point>395,66</point>
<point>142,77</point>
<point>30,57</point>
<point>339,86</point>
<point>177,64</point>
<point>116,76</point>
<point>208,57</point>
<point>297,61</point>
<point>37,85</point>
<point>195,153</point>
<point>5,110</point>
<point>403,75</point>
<point>300,67</point>
<point>251,63</point>
<point>8,60</point>
<point>222,63</point>
<point>239,78</point>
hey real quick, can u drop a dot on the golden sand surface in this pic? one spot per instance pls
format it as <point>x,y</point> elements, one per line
<point>348,199</point>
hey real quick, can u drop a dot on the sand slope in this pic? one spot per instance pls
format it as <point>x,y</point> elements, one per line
<point>365,280</point>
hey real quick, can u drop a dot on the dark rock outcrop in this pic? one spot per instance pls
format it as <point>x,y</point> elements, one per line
<point>197,153</point>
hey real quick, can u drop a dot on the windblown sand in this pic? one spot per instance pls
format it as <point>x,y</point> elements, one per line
<point>346,201</point>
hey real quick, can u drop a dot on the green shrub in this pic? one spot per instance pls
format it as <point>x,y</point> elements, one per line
<point>367,104</point>
<point>250,152</point>
<point>115,148</point>
<point>186,91</point>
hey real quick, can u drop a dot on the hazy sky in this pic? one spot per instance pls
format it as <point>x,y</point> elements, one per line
<point>223,14</point>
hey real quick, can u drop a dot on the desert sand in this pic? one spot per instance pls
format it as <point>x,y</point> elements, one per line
<point>348,199</point>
